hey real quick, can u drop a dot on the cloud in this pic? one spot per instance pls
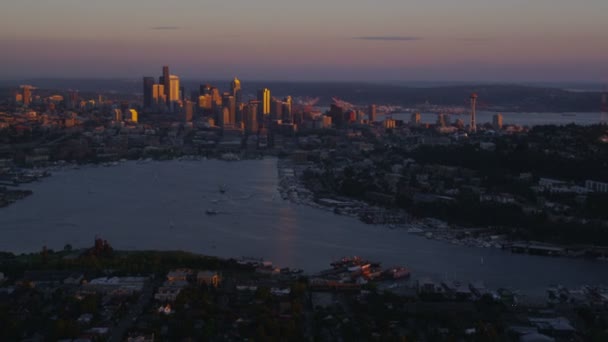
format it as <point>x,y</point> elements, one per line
<point>389,38</point>
<point>476,40</point>
<point>166,28</point>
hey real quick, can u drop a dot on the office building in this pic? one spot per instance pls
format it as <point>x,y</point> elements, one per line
<point>276,110</point>
<point>371,113</point>
<point>166,82</point>
<point>189,111</point>
<point>250,117</point>
<point>159,99</point>
<point>264,98</point>
<point>473,124</point>
<point>224,118</point>
<point>148,85</point>
<point>205,103</point>
<point>415,119</point>
<point>235,89</point>
<point>287,108</point>
<point>497,121</point>
<point>72,99</point>
<point>27,95</point>
<point>229,101</point>
<point>117,115</point>
<point>134,116</point>
<point>174,91</point>
<point>337,115</point>
<point>441,120</point>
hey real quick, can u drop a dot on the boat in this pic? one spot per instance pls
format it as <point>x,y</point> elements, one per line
<point>211,212</point>
<point>397,273</point>
<point>223,189</point>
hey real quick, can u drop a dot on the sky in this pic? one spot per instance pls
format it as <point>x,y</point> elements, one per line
<point>406,40</point>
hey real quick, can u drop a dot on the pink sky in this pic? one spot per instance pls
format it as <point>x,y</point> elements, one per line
<point>542,40</point>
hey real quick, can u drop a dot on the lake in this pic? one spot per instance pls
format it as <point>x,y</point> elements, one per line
<point>162,205</point>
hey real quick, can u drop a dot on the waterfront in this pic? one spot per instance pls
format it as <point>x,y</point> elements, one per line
<point>511,118</point>
<point>162,205</point>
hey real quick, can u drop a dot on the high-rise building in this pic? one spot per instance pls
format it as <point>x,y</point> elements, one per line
<point>134,116</point>
<point>204,102</point>
<point>473,124</point>
<point>228,101</point>
<point>174,91</point>
<point>182,93</point>
<point>158,95</point>
<point>27,94</point>
<point>148,85</point>
<point>235,89</point>
<point>224,118</point>
<point>371,113</point>
<point>415,119</point>
<point>337,115</point>
<point>71,99</point>
<point>189,111</point>
<point>117,115</point>
<point>276,109</point>
<point>205,89</point>
<point>264,98</point>
<point>287,109</point>
<point>441,121</point>
<point>497,121</point>
<point>166,81</point>
<point>250,117</point>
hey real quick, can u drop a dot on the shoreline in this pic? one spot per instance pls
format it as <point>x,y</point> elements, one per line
<point>293,189</point>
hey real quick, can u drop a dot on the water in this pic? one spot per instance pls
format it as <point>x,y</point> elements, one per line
<point>161,205</point>
<point>521,119</point>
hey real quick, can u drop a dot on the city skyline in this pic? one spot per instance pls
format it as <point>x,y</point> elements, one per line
<point>469,41</point>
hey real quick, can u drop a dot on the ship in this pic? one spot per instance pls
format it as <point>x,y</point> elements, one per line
<point>211,212</point>
<point>223,189</point>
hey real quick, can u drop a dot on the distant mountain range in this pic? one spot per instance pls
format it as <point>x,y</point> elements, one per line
<point>575,97</point>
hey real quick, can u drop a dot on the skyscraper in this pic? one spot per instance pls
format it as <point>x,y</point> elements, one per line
<point>473,124</point>
<point>276,109</point>
<point>71,99</point>
<point>287,108</point>
<point>235,89</point>
<point>264,98</point>
<point>228,101</point>
<point>497,121</point>
<point>415,119</point>
<point>117,115</point>
<point>148,85</point>
<point>250,117</point>
<point>371,113</point>
<point>27,94</point>
<point>166,81</point>
<point>224,117</point>
<point>189,112</point>
<point>134,116</point>
<point>174,90</point>
<point>441,121</point>
<point>158,95</point>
